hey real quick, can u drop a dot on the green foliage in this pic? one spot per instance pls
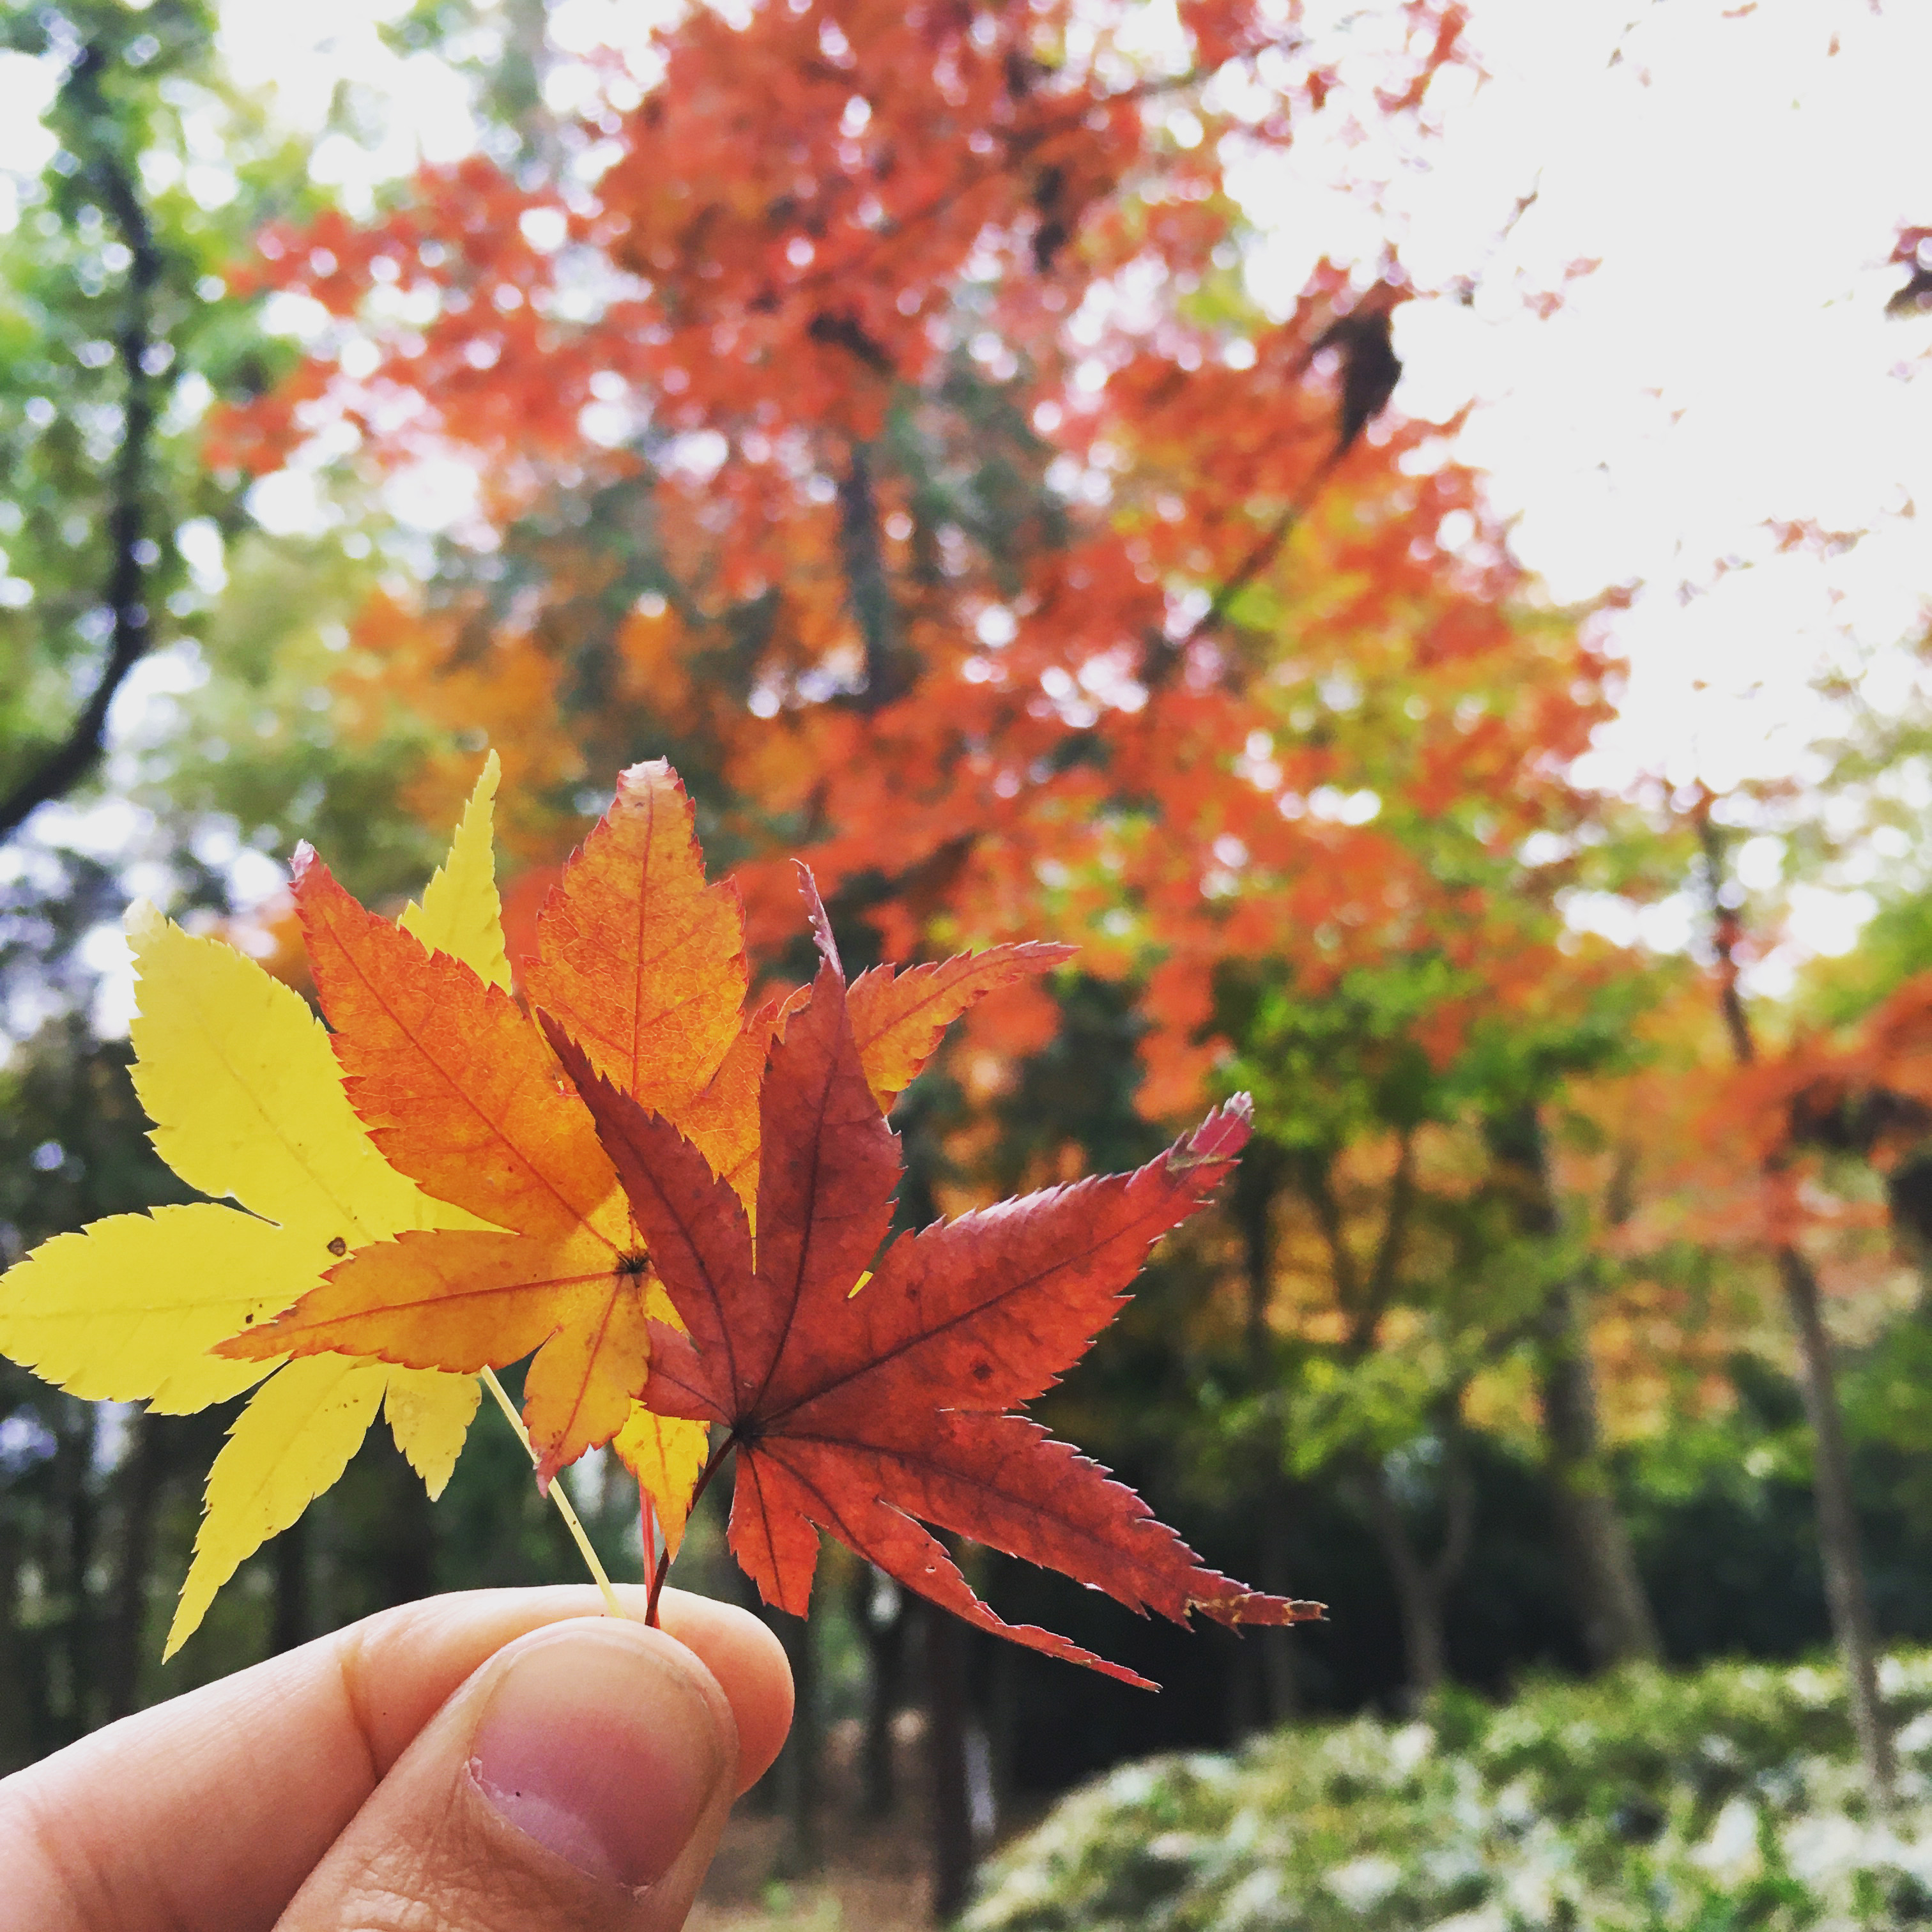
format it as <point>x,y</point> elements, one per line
<point>260,741</point>
<point>1643,1802</point>
<point>118,333</point>
<point>1896,943</point>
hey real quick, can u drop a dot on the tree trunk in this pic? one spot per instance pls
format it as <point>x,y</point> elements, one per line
<point>142,1474</point>
<point>75,1440</point>
<point>1422,1585</point>
<point>1256,1186</point>
<point>1840,1546</point>
<point>402,1547</point>
<point>1599,1566</point>
<point>879,1612</point>
<point>17,1739</point>
<point>130,634</point>
<point>800,1765</point>
<point>951,1821</point>
<point>869,594</point>
<point>1839,1543</point>
<point>1597,1560</point>
<point>1418,1601</point>
<point>291,1620</point>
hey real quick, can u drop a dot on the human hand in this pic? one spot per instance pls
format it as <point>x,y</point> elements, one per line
<point>490,1761</point>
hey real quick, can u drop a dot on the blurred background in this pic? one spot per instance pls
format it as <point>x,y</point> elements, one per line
<point>1393,526</point>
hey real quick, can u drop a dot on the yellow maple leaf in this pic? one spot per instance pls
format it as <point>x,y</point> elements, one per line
<point>461,913</point>
<point>667,1454</point>
<point>248,1102</point>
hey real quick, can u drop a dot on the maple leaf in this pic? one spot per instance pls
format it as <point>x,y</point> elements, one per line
<point>650,962</point>
<point>856,1411</point>
<point>460,1093</point>
<point>898,1017</point>
<point>647,959</point>
<point>237,1077</point>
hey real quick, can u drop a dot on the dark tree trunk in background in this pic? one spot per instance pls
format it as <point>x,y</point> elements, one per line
<point>291,1620</point>
<point>800,1765</point>
<point>1422,1584</point>
<point>142,1473</point>
<point>402,1548</point>
<point>946,1710</point>
<point>879,1614</point>
<point>1608,1594</point>
<point>1598,1563</point>
<point>17,1677</point>
<point>124,593</point>
<point>869,593</point>
<point>1839,1546</point>
<point>77,1517</point>
<point>1257,1186</point>
<point>1908,1193</point>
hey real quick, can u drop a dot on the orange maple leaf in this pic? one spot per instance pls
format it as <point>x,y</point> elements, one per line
<point>461,1094</point>
<point>647,963</point>
<point>858,1412</point>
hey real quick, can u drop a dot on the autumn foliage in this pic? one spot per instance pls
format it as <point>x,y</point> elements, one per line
<point>602,1224</point>
<point>877,411</point>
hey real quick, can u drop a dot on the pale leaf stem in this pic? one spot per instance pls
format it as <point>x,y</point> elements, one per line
<point>556,1495</point>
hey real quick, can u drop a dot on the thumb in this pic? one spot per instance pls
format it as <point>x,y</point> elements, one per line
<point>580,1778</point>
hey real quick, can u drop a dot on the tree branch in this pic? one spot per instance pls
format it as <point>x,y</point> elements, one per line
<point>1395,1228</point>
<point>1459,1503</point>
<point>1317,1185</point>
<point>868,591</point>
<point>131,636</point>
<point>1370,371</point>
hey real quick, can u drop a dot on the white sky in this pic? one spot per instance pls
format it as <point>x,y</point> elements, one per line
<point>1739,173</point>
<point>1729,362</point>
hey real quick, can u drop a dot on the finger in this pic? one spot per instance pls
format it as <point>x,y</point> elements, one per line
<point>579,1780</point>
<point>206,1814</point>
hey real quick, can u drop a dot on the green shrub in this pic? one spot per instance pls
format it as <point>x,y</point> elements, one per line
<point>1642,1801</point>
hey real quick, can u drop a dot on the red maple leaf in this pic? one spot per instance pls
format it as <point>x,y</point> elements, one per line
<point>857,1404</point>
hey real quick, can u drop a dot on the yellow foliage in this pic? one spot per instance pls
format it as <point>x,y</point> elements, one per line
<point>429,1414</point>
<point>124,1310</point>
<point>461,913</point>
<point>666,1455</point>
<point>292,1441</point>
<point>248,1102</point>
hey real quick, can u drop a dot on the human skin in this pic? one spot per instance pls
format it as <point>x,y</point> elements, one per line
<point>474,1762</point>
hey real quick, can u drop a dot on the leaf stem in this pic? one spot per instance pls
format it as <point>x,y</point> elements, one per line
<point>557,1496</point>
<point>647,1526</point>
<point>663,1569</point>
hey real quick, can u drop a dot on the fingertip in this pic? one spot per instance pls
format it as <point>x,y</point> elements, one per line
<point>606,1742</point>
<point>751,1667</point>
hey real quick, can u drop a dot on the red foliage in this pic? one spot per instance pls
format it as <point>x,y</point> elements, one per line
<point>857,1410</point>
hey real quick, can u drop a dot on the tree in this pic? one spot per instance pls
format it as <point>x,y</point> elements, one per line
<point>121,333</point>
<point>929,548</point>
<point>1812,1096</point>
<point>822,298</point>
